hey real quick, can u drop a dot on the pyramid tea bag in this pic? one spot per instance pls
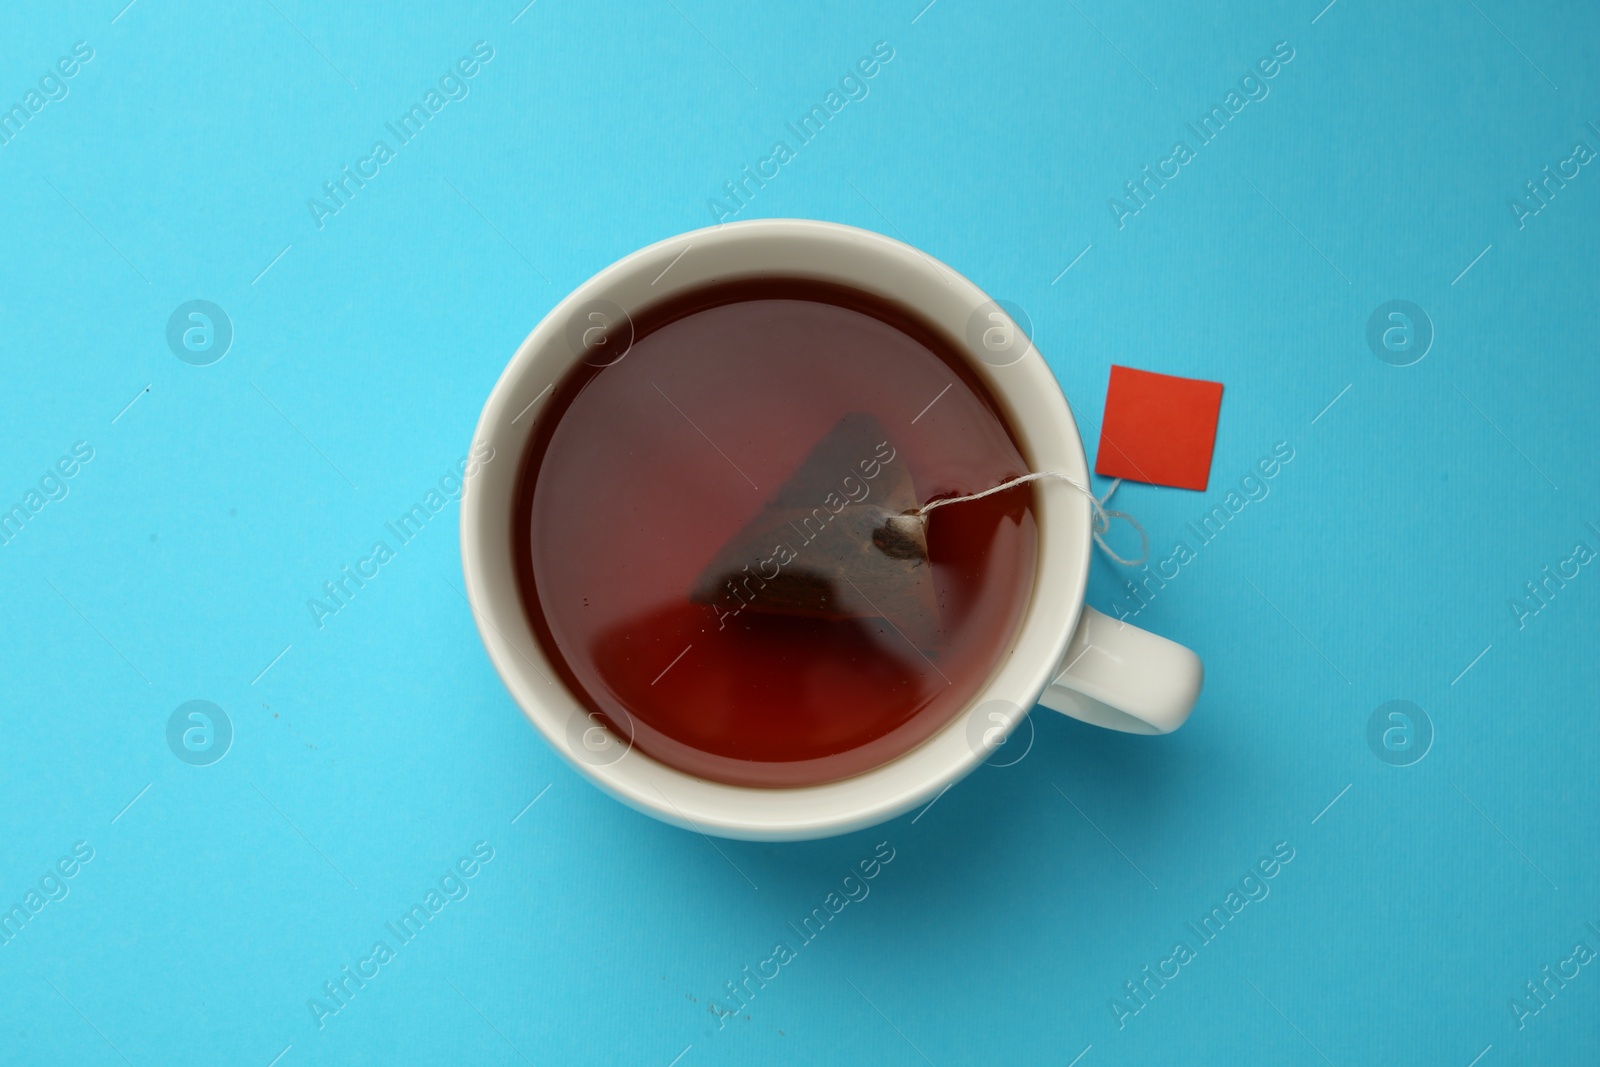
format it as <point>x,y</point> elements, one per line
<point>842,539</point>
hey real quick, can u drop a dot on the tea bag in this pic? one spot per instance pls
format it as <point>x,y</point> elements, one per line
<point>844,538</point>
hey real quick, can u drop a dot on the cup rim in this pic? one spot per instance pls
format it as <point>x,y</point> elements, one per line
<point>1035,410</point>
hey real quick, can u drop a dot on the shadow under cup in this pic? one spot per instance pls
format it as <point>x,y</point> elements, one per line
<point>688,547</point>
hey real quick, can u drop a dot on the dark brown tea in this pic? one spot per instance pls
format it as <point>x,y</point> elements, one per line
<point>713,537</point>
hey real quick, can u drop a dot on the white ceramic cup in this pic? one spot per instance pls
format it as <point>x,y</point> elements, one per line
<point>1065,655</point>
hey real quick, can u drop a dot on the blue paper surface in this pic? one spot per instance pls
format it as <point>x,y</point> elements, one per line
<point>1033,913</point>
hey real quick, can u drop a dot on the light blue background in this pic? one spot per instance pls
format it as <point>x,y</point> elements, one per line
<point>378,749</point>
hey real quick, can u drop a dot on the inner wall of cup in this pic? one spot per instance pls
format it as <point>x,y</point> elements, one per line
<point>761,249</point>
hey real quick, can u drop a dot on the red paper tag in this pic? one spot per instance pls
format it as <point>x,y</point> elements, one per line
<point>1158,428</point>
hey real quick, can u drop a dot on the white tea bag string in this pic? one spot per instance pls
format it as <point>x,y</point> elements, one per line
<point>1102,514</point>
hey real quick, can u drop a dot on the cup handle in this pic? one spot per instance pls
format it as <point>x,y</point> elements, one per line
<point>1124,678</point>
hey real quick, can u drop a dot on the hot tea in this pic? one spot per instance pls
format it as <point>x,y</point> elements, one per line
<point>718,540</point>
